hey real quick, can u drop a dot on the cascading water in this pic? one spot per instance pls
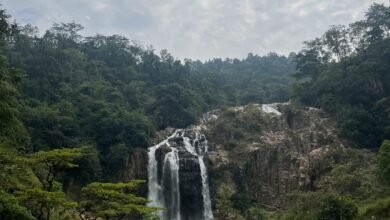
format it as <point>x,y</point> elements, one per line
<point>196,149</point>
<point>171,184</point>
<point>208,213</point>
<point>167,192</point>
<point>170,181</point>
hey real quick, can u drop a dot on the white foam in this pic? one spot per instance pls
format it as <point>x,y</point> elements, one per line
<point>270,108</point>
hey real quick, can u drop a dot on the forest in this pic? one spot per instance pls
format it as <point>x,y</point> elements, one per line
<point>73,108</point>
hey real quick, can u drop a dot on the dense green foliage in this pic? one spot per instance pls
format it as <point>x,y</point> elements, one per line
<point>338,208</point>
<point>34,182</point>
<point>322,206</point>
<point>384,161</point>
<point>107,91</point>
<point>12,130</point>
<point>347,73</point>
<point>11,210</point>
<point>379,209</point>
<point>113,201</point>
<point>61,90</point>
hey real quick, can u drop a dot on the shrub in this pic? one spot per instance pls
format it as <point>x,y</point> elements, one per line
<point>384,161</point>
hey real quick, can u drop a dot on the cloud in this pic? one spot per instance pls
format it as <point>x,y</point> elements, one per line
<point>199,29</point>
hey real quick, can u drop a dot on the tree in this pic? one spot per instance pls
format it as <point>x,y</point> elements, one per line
<point>113,201</point>
<point>311,60</point>
<point>337,41</point>
<point>377,24</point>
<point>43,203</point>
<point>47,165</point>
<point>38,190</point>
<point>65,34</point>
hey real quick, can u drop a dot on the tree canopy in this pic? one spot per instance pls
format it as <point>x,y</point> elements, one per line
<point>346,72</point>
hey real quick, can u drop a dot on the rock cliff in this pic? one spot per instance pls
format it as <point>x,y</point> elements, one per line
<point>257,154</point>
<point>261,153</point>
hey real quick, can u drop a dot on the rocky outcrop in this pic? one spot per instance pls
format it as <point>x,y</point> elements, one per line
<point>191,199</point>
<point>136,165</point>
<point>265,152</point>
<point>258,154</point>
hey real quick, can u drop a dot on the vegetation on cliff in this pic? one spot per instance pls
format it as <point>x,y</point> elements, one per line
<point>60,91</point>
<point>293,166</point>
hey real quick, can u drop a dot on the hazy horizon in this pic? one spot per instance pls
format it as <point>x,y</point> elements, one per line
<point>202,29</point>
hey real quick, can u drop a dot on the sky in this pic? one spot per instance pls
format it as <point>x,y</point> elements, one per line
<point>198,29</point>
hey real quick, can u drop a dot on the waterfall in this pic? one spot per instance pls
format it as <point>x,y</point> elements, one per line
<point>171,184</point>
<point>196,149</point>
<point>207,212</point>
<point>167,194</point>
<point>154,194</point>
<point>170,181</point>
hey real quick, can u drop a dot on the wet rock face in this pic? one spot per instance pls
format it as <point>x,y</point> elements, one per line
<point>190,187</point>
<point>160,155</point>
<point>136,168</point>
<point>136,165</point>
<point>190,181</point>
<point>285,153</point>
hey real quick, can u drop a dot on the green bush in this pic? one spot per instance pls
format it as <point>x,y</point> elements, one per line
<point>337,208</point>
<point>384,161</point>
<point>11,210</point>
<point>241,202</point>
<point>379,209</point>
<point>316,205</point>
<point>254,213</point>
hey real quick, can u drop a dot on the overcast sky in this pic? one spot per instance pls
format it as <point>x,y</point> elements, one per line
<point>198,29</point>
